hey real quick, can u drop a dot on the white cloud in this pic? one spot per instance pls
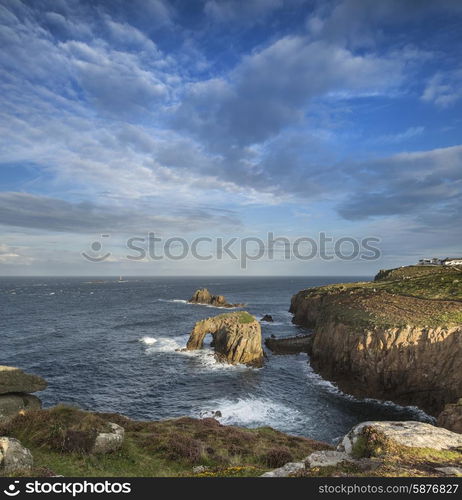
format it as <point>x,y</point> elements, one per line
<point>444,89</point>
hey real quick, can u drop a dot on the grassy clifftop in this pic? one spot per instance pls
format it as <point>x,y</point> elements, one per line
<point>60,439</point>
<point>414,295</point>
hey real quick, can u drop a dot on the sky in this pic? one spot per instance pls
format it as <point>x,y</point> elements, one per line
<point>227,120</point>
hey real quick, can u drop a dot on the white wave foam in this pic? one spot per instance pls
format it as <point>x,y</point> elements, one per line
<point>205,357</point>
<point>148,340</point>
<point>215,307</point>
<point>332,388</point>
<point>182,301</point>
<point>252,412</point>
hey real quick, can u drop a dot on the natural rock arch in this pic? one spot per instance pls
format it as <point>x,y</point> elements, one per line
<point>236,338</point>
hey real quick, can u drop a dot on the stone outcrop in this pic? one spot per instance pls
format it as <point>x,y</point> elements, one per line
<point>290,345</point>
<point>12,404</point>
<point>14,457</point>
<point>14,388</point>
<point>326,458</point>
<point>286,470</point>
<point>268,318</point>
<point>451,417</point>
<point>408,433</point>
<point>107,442</point>
<point>15,380</point>
<point>374,342</point>
<point>236,338</point>
<point>203,296</point>
<point>372,447</point>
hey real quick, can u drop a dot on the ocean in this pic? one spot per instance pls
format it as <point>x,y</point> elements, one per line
<point>109,345</point>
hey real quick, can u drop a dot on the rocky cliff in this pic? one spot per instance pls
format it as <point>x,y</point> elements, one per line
<point>236,338</point>
<point>451,417</point>
<point>397,338</point>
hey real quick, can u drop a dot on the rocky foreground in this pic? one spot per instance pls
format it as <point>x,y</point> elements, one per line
<point>397,338</point>
<point>70,442</point>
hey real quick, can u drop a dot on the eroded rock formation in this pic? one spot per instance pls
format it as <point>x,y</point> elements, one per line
<point>203,296</point>
<point>236,338</point>
<point>14,388</point>
<point>15,380</point>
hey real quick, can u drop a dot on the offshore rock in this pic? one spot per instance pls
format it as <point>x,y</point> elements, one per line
<point>203,296</point>
<point>236,338</point>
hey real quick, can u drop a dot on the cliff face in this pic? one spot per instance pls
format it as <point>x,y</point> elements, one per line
<point>374,342</point>
<point>236,338</point>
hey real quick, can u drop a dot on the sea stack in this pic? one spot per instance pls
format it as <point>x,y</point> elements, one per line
<point>203,296</point>
<point>236,338</point>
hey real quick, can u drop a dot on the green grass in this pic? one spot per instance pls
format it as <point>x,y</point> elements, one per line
<point>414,295</point>
<point>245,317</point>
<point>242,317</point>
<point>154,449</point>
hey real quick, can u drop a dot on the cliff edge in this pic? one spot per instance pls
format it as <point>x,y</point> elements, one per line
<point>398,337</point>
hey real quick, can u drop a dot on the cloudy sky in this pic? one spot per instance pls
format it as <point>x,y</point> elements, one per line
<point>225,118</point>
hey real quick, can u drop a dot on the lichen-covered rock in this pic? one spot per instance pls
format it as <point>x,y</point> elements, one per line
<point>451,417</point>
<point>374,435</point>
<point>14,457</point>
<point>12,404</point>
<point>107,442</point>
<point>286,470</point>
<point>236,338</point>
<point>203,296</point>
<point>15,380</point>
<point>326,458</point>
<point>450,471</point>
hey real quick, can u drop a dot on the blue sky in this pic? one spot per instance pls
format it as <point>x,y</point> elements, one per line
<point>222,118</point>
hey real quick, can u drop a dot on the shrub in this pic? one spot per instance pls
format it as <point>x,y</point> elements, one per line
<point>180,447</point>
<point>62,428</point>
<point>277,457</point>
